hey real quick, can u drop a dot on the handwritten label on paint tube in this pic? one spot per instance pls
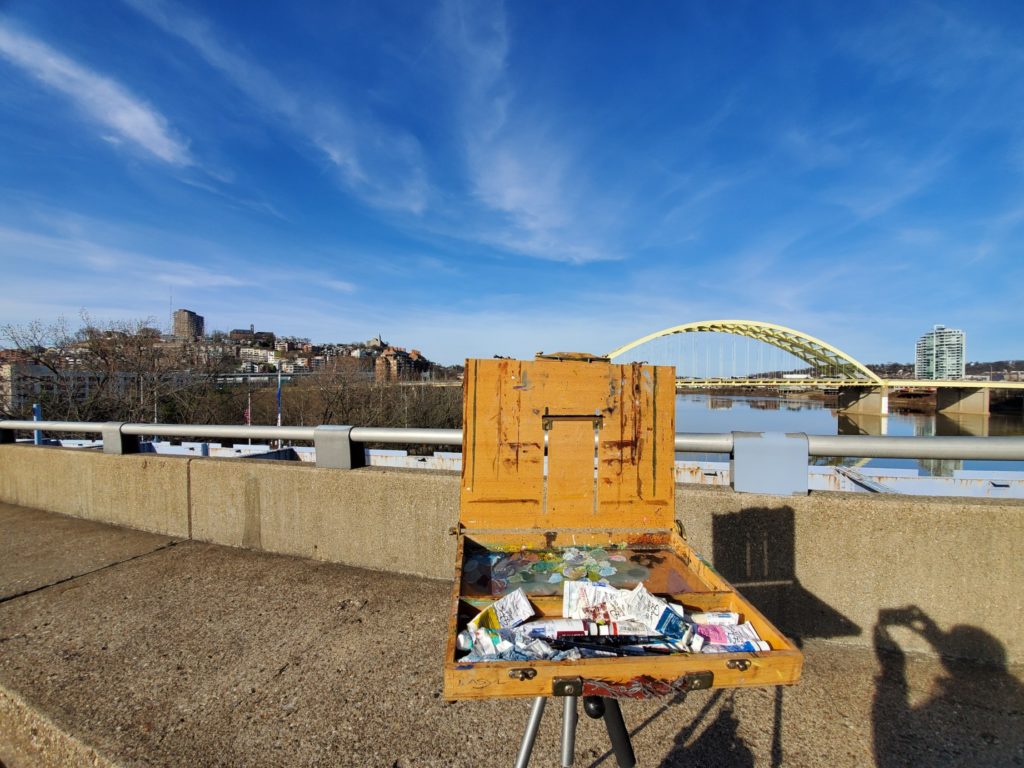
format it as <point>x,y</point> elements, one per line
<point>656,613</point>
<point>596,602</point>
<point>511,611</point>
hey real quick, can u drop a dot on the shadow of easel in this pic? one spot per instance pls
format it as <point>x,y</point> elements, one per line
<point>755,549</point>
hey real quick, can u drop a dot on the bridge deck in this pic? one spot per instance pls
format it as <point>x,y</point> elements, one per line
<point>151,652</point>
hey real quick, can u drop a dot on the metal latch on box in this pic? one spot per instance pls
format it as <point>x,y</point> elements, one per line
<point>548,419</point>
<point>522,673</point>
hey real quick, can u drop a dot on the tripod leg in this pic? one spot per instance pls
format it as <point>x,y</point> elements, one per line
<point>621,744</point>
<point>569,720</point>
<point>526,748</point>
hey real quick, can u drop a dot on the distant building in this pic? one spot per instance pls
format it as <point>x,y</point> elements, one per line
<point>188,325</point>
<point>241,334</point>
<point>941,354</point>
<point>395,364</point>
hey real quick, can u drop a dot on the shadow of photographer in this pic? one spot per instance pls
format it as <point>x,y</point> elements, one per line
<point>971,715</point>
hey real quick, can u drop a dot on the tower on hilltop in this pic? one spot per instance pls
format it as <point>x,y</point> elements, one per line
<point>188,325</point>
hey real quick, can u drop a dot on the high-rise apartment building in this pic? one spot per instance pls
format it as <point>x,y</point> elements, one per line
<point>940,354</point>
<point>188,325</point>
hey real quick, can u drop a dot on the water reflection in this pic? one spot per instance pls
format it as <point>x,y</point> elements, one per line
<point>971,425</point>
<point>862,424</point>
<point>804,412</point>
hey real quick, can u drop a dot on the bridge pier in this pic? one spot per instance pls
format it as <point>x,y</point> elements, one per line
<point>962,400</point>
<point>868,401</point>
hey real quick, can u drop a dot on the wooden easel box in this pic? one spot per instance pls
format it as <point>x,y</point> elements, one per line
<point>571,456</point>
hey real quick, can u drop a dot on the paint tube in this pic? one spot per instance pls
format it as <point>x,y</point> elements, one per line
<point>505,645</point>
<point>718,618</point>
<point>594,600</point>
<point>656,613</point>
<point>482,643</point>
<point>557,628</point>
<point>508,612</point>
<point>750,646</point>
<point>730,636</point>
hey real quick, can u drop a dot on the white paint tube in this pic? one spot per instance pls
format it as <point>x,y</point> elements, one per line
<point>508,612</point>
<point>717,618</point>
<point>482,643</point>
<point>656,613</point>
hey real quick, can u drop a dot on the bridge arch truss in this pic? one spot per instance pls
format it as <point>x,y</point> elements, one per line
<point>819,355</point>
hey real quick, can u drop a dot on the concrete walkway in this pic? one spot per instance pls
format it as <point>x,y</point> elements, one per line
<point>122,648</point>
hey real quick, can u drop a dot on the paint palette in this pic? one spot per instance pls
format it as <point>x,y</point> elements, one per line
<point>567,474</point>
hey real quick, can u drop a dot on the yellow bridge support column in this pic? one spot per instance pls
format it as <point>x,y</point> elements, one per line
<point>953,401</point>
<point>869,401</point>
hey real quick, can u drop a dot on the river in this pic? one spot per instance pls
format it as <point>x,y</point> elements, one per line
<point>697,412</point>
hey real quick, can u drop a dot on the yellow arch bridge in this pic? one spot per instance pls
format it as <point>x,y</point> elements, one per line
<point>861,390</point>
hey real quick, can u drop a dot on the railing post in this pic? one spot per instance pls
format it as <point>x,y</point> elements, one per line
<point>115,442</point>
<point>335,449</point>
<point>769,462</point>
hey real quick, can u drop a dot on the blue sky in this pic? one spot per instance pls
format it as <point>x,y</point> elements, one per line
<point>479,178</point>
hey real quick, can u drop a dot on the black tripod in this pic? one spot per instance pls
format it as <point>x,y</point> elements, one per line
<point>595,707</point>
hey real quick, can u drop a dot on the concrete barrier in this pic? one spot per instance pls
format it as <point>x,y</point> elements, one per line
<point>940,575</point>
<point>142,491</point>
<point>383,519</point>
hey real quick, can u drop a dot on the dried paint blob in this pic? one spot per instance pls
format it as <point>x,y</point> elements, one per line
<point>540,572</point>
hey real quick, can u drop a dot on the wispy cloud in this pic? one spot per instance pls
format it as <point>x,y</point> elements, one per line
<point>936,46</point>
<point>341,286</point>
<point>997,235</point>
<point>79,259</point>
<point>524,177</point>
<point>79,254</point>
<point>238,201</point>
<point>892,180</point>
<point>103,100</point>
<point>381,164</point>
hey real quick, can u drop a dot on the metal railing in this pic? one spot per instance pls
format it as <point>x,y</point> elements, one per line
<point>872,447</point>
<point>126,435</point>
<point>411,435</point>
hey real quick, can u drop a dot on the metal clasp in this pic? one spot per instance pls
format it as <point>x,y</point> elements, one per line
<point>567,686</point>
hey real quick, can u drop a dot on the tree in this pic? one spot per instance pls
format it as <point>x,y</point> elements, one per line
<point>115,371</point>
